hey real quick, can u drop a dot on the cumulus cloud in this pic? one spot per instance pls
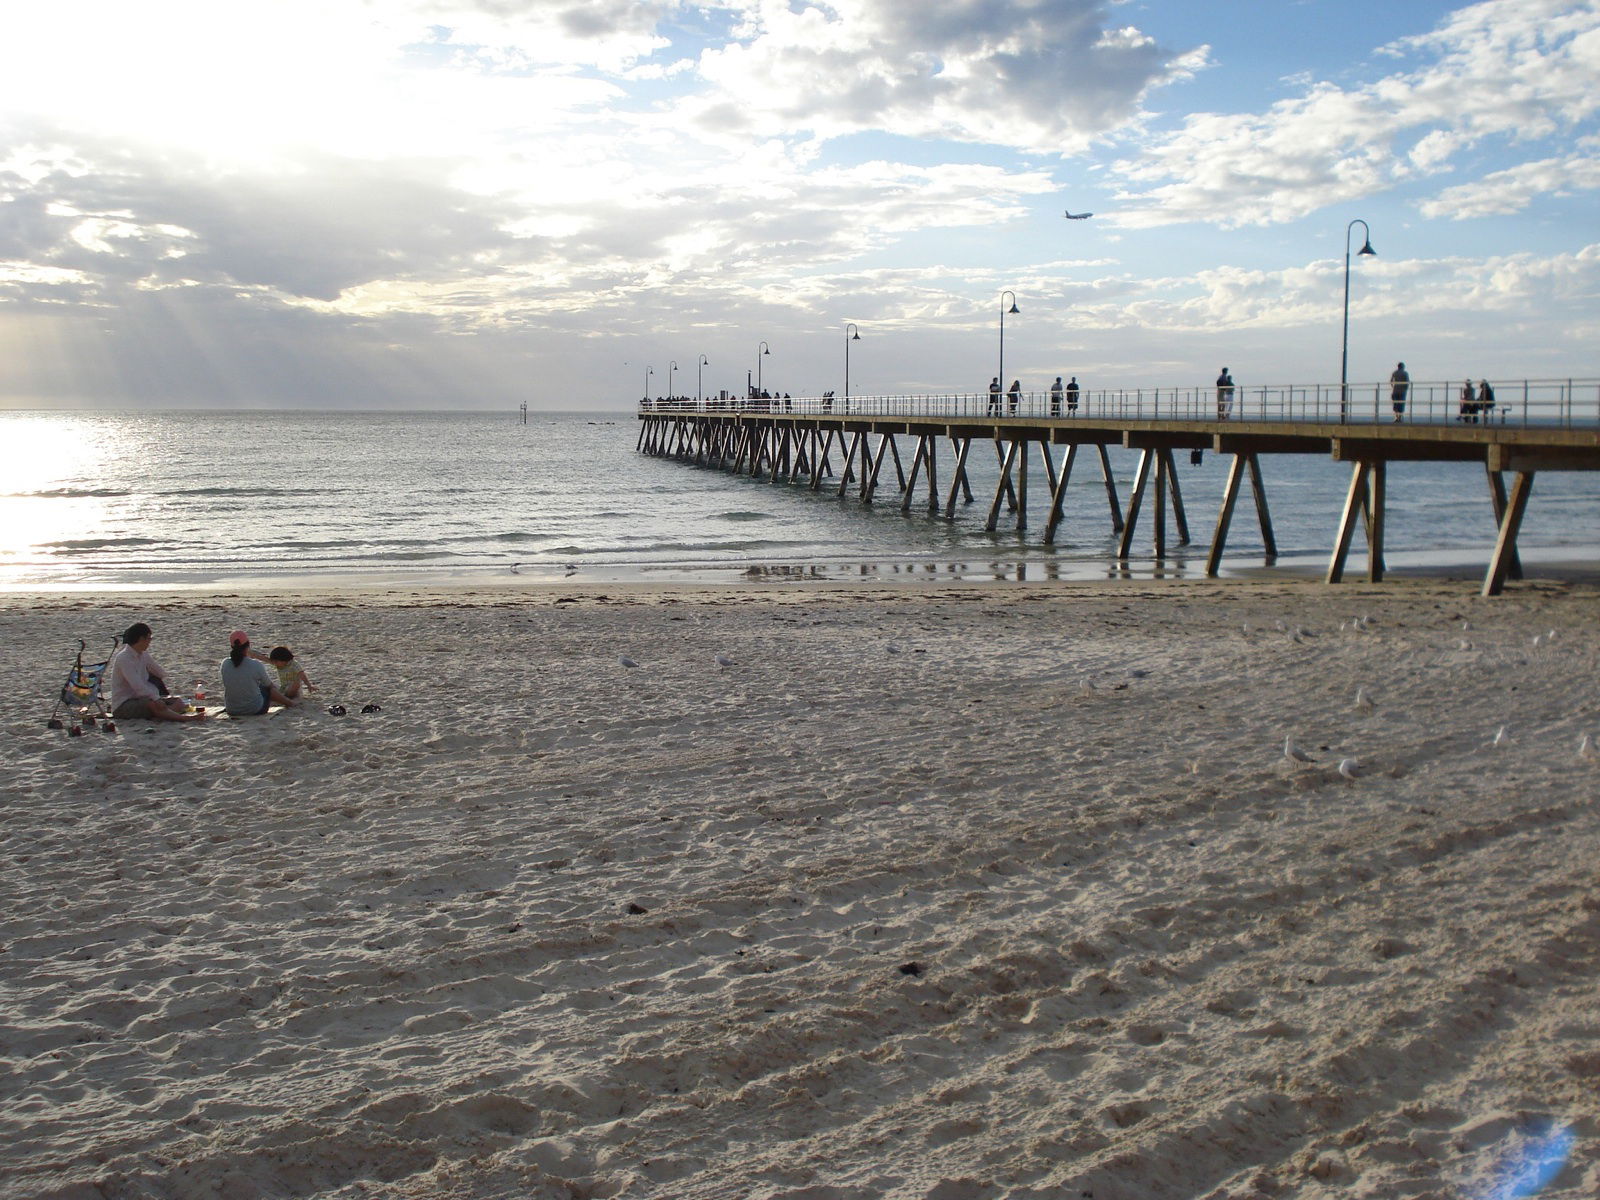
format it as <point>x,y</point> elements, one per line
<point>1043,75</point>
<point>1512,190</point>
<point>1507,69</point>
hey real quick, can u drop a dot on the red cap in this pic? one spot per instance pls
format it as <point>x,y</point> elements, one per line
<point>239,638</point>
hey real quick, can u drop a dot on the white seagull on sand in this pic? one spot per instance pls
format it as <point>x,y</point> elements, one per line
<point>724,661</point>
<point>1294,754</point>
<point>1501,737</point>
<point>1363,700</point>
<point>626,661</point>
<point>1349,768</point>
<point>1586,747</point>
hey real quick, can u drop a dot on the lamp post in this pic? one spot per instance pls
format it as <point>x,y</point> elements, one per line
<point>1014,309</point>
<point>1344,352</point>
<point>851,334</point>
<point>671,367</point>
<point>760,350</point>
<point>700,362</point>
<point>648,371</point>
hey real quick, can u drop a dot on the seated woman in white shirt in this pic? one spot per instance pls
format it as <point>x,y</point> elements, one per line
<point>138,683</point>
<point>249,688</point>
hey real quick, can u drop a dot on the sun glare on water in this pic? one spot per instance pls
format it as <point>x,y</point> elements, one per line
<point>48,463</point>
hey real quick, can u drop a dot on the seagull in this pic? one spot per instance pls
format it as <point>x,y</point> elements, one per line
<point>1501,737</point>
<point>724,661</point>
<point>1349,768</point>
<point>893,649</point>
<point>1586,747</point>
<point>1463,644</point>
<point>1072,216</point>
<point>1363,701</point>
<point>626,661</point>
<point>1294,754</point>
<point>1537,641</point>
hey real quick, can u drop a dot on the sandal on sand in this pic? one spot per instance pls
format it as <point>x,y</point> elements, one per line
<point>372,708</point>
<point>336,710</point>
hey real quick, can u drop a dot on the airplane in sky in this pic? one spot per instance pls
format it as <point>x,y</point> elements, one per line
<point>1072,216</point>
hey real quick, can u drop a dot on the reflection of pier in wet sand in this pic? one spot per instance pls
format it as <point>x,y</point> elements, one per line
<point>808,443</point>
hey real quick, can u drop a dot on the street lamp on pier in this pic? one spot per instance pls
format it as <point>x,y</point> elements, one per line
<point>1002,377</point>
<point>671,367</point>
<point>851,334</point>
<point>760,352</point>
<point>648,371</point>
<point>1344,352</point>
<point>700,362</point>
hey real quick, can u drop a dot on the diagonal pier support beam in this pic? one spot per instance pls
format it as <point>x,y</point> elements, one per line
<point>1497,496</point>
<point>1505,547</point>
<point>1140,481</point>
<point>1058,495</point>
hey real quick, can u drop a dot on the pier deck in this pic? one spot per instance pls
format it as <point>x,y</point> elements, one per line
<point>1543,427</point>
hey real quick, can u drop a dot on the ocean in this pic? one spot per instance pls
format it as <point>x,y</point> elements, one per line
<point>198,499</point>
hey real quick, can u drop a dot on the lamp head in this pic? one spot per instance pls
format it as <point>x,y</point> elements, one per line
<point>1367,249</point>
<point>1014,307</point>
<point>856,336</point>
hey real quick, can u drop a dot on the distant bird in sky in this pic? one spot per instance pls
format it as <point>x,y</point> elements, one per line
<point>1294,754</point>
<point>1072,216</point>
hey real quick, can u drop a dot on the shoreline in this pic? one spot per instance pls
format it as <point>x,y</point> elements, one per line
<point>1553,563</point>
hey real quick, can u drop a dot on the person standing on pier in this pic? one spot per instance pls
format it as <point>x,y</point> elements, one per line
<point>1072,396</point>
<point>994,396</point>
<point>1013,396</point>
<point>1399,384</point>
<point>1469,404</point>
<point>1485,401</point>
<point>1224,395</point>
<point>1055,397</point>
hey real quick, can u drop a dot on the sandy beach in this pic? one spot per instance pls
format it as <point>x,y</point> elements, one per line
<point>939,892</point>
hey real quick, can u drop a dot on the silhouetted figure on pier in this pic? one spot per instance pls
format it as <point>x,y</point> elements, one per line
<point>1485,400</point>
<point>994,396</point>
<point>1014,396</point>
<point>1399,384</point>
<point>1055,397</point>
<point>1469,404</point>
<point>1224,395</point>
<point>1072,396</point>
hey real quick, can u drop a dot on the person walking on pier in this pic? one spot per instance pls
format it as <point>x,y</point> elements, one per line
<point>1055,397</point>
<point>1399,384</point>
<point>994,396</point>
<point>1072,396</point>
<point>1224,395</point>
<point>1014,396</point>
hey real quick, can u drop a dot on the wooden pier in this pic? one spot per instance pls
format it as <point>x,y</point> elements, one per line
<point>807,442</point>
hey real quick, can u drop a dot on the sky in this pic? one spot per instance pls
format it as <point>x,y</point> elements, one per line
<point>474,204</point>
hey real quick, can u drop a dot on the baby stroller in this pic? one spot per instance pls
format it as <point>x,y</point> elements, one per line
<point>81,695</point>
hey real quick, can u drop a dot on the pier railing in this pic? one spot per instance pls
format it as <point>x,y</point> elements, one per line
<point>1545,403</point>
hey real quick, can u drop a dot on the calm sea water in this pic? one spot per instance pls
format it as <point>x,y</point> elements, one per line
<point>181,498</point>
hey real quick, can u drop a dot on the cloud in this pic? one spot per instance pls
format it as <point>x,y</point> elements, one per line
<point>1042,75</point>
<point>1514,70</point>
<point>1512,190</point>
